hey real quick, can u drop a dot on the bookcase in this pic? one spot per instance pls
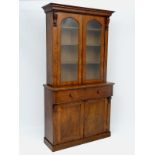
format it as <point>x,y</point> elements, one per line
<point>77,94</point>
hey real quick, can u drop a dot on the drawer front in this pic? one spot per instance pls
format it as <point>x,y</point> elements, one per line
<point>93,93</point>
<point>65,96</point>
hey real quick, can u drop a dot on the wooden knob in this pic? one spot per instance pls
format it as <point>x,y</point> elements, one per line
<point>70,95</point>
<point>98,91</point>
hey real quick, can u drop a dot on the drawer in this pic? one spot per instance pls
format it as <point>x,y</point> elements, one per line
<point>65,96</point>
<point>80,94</point>
<point>98,92</point>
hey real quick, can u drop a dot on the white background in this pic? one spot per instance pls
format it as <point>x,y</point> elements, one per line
<point>120,70</point>
<point>144,77</point>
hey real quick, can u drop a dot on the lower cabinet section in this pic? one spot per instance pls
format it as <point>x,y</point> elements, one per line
<point>77,120</point>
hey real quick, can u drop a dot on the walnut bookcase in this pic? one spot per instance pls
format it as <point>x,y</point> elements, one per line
<point>77,94</point>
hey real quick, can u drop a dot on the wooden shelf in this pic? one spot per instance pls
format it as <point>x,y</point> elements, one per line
<point>67,63</point>
<point>90,45</point>
<point>69,44</point>
<point>92,63</point>
<point>73,63</point>
<point>93,29</point>
<point>70,28</point>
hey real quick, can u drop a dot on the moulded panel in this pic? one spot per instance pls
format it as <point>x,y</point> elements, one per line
<point>68,122</point>
<point>95,117</point>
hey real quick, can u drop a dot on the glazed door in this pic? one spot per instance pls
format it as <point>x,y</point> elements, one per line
<point>97,114</point>
<point>69,48</point>
<point>93,49</point>
<point>68,120</point>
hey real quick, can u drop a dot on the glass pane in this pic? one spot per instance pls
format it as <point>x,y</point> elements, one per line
<point>93,50</point>
<point>94,25</point>
<point>69,50</point>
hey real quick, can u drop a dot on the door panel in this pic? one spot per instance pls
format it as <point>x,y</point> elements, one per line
<point>68,122</point>
<point>93,49</point>
<point>69,48</point>
<point>95,117</point>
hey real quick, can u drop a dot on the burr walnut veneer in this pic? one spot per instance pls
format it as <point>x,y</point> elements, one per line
<point>77,94</point>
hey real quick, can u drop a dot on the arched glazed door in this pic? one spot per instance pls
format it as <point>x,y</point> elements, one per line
<point>93,49</point>
<point>69,36</point>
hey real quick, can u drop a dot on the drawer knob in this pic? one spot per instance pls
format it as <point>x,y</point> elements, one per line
<point>70,95</point>
<point>98,91</point>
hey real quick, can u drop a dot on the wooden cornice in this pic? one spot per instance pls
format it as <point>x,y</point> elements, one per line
<point>53,7</point>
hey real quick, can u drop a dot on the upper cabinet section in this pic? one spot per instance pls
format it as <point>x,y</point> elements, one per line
<point>77,40</point>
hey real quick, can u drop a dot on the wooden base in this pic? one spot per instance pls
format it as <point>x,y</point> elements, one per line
<point>74,143</point>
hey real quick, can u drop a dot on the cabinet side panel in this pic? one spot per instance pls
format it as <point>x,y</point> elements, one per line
<point>106,48</point>
<point>49,56</point>
<point>48,115</point>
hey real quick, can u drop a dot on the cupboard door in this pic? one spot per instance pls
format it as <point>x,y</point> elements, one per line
<point>68,122</point>
<point>93,49</point>
<point>69,48</point>
<point>96,114</point>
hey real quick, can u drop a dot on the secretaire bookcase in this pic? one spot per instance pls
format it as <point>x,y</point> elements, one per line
<point>77,94</point>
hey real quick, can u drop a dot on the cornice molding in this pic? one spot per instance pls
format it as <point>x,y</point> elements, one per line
<point>53,7</point>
